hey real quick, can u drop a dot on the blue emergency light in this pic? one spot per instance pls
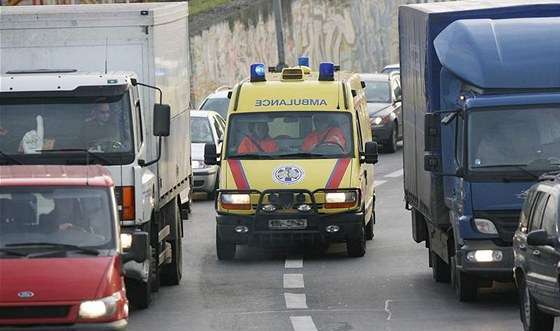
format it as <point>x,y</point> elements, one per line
<point>303,61</point>
<point>258,72</point>
<point>326,71</point>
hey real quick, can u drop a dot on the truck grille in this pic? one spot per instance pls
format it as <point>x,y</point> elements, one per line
<point>506,221</point>
<point>31,312</point>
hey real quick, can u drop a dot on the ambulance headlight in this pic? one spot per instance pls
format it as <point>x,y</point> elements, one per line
<point>485,226</point>
<point>105,307</point>
<point>326,71</point>
<point>341,199</point>
<point>235,201</point>
<point>257,72</point>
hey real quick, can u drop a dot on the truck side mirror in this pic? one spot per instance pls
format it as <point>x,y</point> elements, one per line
<point>210,154</point>
<point>432,132</point>
<point>162,120</point>
<point>371,155</point>
<point>139,248</point>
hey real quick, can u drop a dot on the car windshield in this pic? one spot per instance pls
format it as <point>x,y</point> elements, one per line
<point>378,91</point>
<point>40,218</point>
<point>290,135</point>
<point>219,105</point>
<point>200,130</point>
<point>516,137</point>
<point>47,125</point>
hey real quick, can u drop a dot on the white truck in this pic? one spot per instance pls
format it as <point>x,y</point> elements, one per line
<point>85,84</point>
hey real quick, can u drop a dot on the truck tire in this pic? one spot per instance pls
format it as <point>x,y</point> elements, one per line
<point>356,247</point>
<point>466,285</point>
<point>224,250</point>
<point>172,273</point>
<point>369,227</point>
<point>533,319</point>
<point>440,270</point>
<point>139,293</point>
<point>391,143</point>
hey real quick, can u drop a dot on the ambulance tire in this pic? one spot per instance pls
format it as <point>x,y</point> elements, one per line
<point>369,227</point>
<point>224,250</point>
<point>356,247</point>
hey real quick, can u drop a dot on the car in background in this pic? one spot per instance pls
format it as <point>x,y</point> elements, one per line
<point>536,248</point>
<point>217,101</point>
<point>206,127</point>
<point>391,68</point>
<point>383,93</point>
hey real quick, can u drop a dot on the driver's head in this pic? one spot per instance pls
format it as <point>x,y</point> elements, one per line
<point>65,207</point>
<point>101,111</point>
<point>259,129</point>
<point>321,122</point>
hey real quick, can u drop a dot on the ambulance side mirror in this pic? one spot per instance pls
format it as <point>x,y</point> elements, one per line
<point>371,154</point>
<point>210,154</point>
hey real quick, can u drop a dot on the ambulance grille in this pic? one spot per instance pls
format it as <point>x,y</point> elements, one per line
<point>283,239</point>
<point>34,312</point>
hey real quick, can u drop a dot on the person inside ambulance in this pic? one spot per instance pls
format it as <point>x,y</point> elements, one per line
<point>325,134</point>
<point>258,140</point>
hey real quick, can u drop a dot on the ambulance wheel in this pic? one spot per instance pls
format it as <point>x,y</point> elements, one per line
<point>466,286</point>
<point>356,247</point>
<point>225,250</point>
<point>139,293</point>
<point>369,227</point>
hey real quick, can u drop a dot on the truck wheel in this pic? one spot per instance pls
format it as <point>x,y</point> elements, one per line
<point>172,273</point>
<point>466,285</point>
<point>391,144</point>
<point>369,227</point>
<point>225,250</point>
<point>533,319</point>
<point>356,247</point>
<point>440,269</point>
<point>138,293</point>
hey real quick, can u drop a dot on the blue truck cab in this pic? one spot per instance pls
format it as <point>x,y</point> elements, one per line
<point>481,105</point>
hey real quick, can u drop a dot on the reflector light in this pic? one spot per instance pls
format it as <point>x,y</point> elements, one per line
<point>257,72</point>
<point>326,71</point>
<point>303,61</point>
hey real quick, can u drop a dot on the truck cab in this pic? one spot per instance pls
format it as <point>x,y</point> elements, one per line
<point>296,162</point>
<point>59,227</point>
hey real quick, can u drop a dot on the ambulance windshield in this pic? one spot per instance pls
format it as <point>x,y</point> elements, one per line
<point>290,135</point>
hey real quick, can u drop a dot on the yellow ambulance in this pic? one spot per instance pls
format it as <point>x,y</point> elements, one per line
<point>296,162</point>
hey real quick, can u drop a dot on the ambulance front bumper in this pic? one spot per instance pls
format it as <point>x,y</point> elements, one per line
<point>319,229</point>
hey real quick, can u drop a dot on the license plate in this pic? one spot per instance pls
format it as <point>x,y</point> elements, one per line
<point>287,224</point>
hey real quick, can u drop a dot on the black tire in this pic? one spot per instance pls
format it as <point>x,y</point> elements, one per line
<point>391,144</point>
<point>440,269</point>
<point>369,227</point>
<point>138,293</point>
<point>224,250</point>
<point>212,195</point>
<point>466,285</point>
<point>533,319</point>
<point>356,247</point>
<point>172,273</point>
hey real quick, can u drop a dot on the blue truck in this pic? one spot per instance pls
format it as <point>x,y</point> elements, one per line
<point>481,105</point>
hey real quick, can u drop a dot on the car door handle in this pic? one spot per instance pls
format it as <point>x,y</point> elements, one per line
<point>523,247</point>
<point>536,252</point>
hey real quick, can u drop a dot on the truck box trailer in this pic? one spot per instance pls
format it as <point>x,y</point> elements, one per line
<point>62,63</point>
<point>471,69</point>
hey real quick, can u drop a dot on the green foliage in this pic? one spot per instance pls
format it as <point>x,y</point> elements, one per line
<point>199,6</point>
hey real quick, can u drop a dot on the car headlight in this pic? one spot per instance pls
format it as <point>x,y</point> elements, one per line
<point>105,307</point>
<point>485,226</point>
<point>235,201</point>
<point>197,164</point>
<point>341,199</point>
<point>380,120</point>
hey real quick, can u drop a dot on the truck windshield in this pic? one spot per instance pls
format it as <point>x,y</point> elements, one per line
<point>51,125</point>
<point>35,220</point>
<point>290,135</point>
<point>514,137</point>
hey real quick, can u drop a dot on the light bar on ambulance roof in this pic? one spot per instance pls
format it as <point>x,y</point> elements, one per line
<point>303,61</point>
<point>326,71</point>
<point>257,72</point>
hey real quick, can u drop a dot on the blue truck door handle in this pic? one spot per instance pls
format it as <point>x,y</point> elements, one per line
<point>536,252</point>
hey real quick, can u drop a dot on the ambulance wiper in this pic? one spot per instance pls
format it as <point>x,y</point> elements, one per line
<point>252,156</point>
<point>303,154</point>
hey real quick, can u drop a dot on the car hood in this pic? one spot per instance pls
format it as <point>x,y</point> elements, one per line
<point>378,109</point>
<point>52,279</point>
<point>197,151</point>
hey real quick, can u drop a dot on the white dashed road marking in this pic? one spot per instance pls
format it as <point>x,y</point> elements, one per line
<point>303,323</point>
<point>379,182</point>
<point>293,281</point>
<point>294,262</point>
<point>397,173</point>
<point>295,301</point>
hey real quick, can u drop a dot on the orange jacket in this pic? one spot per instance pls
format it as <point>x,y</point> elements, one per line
<point>248,145</point>
<point>331,135</point>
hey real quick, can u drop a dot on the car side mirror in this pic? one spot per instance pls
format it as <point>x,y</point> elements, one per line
<point>541,238</point>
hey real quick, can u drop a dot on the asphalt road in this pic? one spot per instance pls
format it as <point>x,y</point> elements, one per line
<point>390,288</point>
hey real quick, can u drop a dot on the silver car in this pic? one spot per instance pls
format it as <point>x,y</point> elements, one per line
<point>206,127</point>
<point>217,101</point>
<point>383,92</point>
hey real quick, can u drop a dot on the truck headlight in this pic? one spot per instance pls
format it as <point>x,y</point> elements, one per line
<point>341,199</point>
<point>485,226</point>
<point>235,201</point>
<point>105,307</point>
<point>126,240</point>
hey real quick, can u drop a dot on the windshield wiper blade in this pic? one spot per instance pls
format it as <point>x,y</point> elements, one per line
<point>516,166</point>
<point>303,154</point>
<point>12,252</point>
<point>252,156</point>
<point>93,155</point>
<point>55,245</point>
<point>10,158</point>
